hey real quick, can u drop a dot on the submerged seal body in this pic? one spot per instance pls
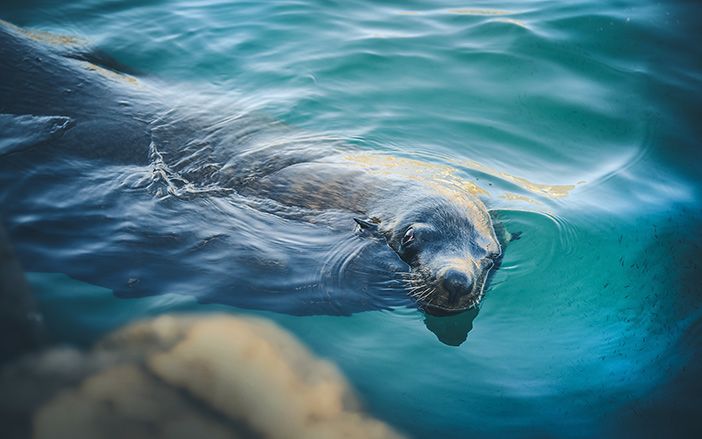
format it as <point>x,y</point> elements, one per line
<point>435,224</point>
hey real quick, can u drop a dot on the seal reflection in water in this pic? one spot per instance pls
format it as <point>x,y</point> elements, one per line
<point>428,216</point>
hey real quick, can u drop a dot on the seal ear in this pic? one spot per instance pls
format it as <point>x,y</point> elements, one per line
<point>366,225</point>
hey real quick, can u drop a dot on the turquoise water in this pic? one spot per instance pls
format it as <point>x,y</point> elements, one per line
<point>579,120</point>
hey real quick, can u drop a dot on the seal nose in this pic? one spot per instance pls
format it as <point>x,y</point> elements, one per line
<point>456,283</point>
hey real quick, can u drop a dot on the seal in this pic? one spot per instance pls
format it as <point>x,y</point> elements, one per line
<point>438,227</point>
<point>432,220</point>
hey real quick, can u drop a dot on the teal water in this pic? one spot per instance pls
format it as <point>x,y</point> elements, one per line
<point>580,121</point>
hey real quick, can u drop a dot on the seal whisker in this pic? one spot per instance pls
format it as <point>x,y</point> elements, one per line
<point>415,288</point>
<point>417,296</point>
<point>414,293</point>
<point>428,293</point>
<point>409,283</point>
<point>411,287</point>
<point>417,291</point>
<point>423,293</point>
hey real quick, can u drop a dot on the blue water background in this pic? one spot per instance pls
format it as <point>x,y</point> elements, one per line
<point>581,121</point>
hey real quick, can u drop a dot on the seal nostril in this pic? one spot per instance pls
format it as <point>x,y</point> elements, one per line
<point>456,283</point>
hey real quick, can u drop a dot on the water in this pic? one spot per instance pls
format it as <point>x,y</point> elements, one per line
<point>579,121</point>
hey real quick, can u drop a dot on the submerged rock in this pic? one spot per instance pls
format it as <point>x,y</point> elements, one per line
<point>175,376</point>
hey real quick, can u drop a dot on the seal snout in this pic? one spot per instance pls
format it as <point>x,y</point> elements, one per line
<point>456,283</point>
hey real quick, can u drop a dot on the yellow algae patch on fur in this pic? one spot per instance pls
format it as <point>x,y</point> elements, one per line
<point>49,38</point>
<point>444,178</point>
<point>518,197</point>
<point>110,74</point>
<point>548,190</point>
<point>45,37</point>
<point>441,177</point>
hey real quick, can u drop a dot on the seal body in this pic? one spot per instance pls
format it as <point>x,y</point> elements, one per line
<point>432,220</point>
<point>58,80</point>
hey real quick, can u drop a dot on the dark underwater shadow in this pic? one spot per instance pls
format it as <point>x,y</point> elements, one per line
<point>452,330</point>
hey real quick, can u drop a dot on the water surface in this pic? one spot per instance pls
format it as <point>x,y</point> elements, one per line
<point>577,121</point>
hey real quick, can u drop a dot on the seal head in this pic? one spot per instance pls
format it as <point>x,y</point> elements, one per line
<point>450,247</point>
